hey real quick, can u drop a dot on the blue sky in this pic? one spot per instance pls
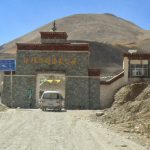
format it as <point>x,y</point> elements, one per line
<point>18,17</point>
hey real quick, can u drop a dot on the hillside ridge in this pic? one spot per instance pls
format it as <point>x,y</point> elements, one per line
<point>106,29</point>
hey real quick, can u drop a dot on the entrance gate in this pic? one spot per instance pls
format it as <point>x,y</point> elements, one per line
<point>50,82</point>
<point>53,64</point>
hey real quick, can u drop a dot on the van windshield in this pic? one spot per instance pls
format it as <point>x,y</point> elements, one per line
<point>50,96</point>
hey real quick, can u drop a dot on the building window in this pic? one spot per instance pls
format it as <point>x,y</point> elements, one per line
<point>137,70</point>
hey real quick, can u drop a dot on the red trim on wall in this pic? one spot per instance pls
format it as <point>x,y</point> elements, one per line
<point>54,35</point>
<point>94,72</point>
<point>55,47</point>
<point>134,56</point>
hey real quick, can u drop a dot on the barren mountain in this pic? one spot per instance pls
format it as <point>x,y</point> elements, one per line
<point>109,37</point>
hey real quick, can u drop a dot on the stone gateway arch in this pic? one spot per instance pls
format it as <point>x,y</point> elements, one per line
<point>58,61</point>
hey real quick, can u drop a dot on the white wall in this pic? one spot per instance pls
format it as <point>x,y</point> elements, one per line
<point>107,92</point>
<point>125,67</point>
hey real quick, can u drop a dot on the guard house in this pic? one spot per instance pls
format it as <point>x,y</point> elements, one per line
<point>53,64</point>
<point>136,67</point>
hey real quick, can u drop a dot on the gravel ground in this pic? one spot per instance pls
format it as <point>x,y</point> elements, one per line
<point>72,130</point>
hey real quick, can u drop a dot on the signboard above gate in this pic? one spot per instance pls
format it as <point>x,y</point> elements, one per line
<point>7,65</point>
<point>50,60</point>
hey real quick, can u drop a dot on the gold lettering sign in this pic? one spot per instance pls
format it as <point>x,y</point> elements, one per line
<point>73,61</point>
<point>65,61</point>
<point>50,60</point>
<point>47,61</point>
<point>60,61</point>
<point>26,60</point>
<point>54,60</point>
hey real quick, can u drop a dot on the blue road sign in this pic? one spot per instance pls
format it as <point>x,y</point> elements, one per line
<point>7,65</point>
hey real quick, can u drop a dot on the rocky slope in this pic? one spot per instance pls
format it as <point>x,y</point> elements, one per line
<point>131,109</point>
<point>130,113</point>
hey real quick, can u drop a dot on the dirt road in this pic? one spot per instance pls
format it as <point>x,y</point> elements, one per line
<point>72,130</point>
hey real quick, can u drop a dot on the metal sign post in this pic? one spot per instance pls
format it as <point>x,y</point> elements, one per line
<point>11,89</point>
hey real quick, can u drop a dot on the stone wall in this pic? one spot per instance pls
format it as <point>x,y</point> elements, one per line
<point>94,94</point>
<point>77,93</point>
<point>23,91</point>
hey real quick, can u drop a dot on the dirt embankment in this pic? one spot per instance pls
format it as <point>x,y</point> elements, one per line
<point>131,109</point>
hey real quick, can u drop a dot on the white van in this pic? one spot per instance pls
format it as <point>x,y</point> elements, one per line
<point>51,100</point>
